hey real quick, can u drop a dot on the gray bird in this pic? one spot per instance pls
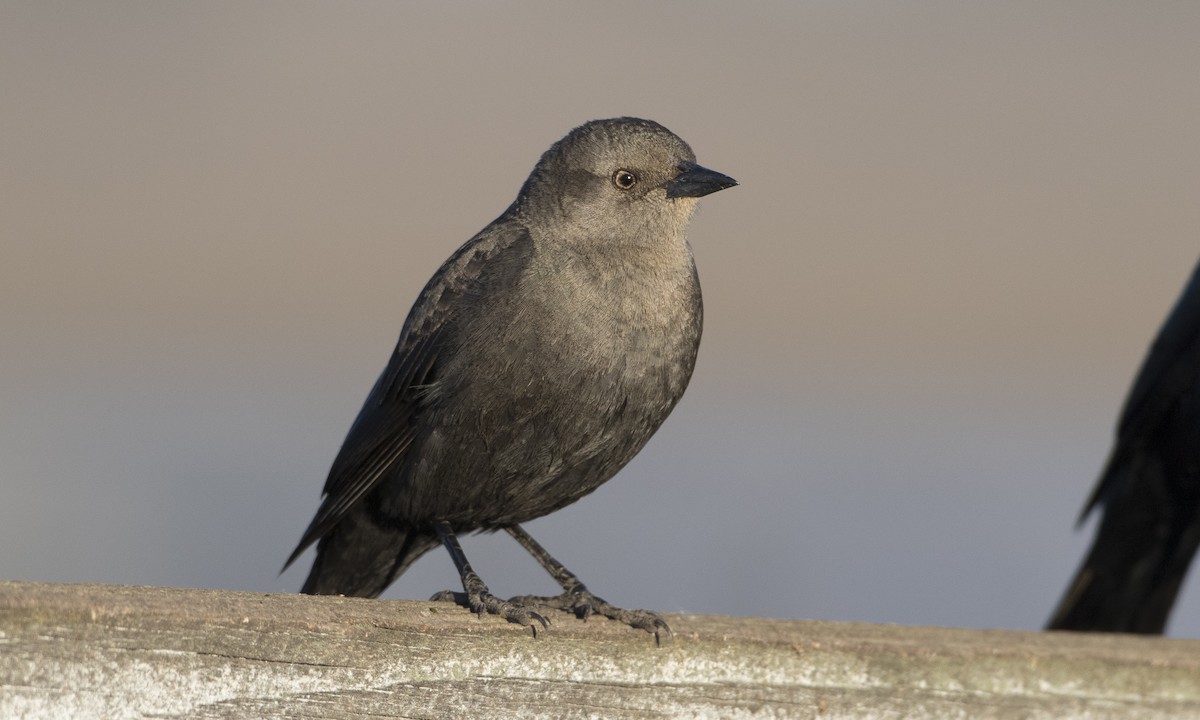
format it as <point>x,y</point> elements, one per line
<point>535,364</point>
<point>1149,492</point>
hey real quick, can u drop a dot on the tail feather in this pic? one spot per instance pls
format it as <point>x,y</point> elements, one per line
<point>1127,596</point>
<point>360,558</point>
<point>1134,570</point>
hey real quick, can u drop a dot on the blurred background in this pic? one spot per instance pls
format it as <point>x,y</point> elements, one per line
<point>958,228</point>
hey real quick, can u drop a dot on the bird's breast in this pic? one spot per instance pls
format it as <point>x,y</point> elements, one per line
<point>555,388</point>
<point>624,317</point>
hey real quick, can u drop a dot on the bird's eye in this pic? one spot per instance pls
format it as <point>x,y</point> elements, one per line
<point>624,179</point>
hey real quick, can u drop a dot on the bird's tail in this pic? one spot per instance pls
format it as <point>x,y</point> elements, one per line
<point>1133,572</point>
<point>360,558</point>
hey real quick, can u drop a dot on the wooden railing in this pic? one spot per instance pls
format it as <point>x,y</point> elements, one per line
<point>99,651</point>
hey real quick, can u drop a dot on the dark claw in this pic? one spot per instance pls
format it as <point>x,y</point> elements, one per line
<point>450,596</point>
<point>484,602</point>
<point>538,616</point>
<point>583,604</point>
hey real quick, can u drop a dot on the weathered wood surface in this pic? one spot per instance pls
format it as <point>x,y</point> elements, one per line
<point>98,651</point>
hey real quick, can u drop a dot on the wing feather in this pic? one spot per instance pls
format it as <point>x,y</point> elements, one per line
<point>386,427</point>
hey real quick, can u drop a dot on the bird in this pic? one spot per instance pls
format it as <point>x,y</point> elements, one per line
<point>1148,492</point>
<point>535,363</point>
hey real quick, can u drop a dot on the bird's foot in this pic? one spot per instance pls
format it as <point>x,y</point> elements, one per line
<point>481,600</point>
<point>584,604</point>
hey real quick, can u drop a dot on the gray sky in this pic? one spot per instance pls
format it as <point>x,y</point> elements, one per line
<point>959,226</point>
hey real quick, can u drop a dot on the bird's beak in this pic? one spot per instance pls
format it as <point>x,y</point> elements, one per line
<point>696,181</point>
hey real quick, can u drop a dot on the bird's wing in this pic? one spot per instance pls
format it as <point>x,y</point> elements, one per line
<point>386,426</point>
<point>378,440</point>
<point>1171,366</point>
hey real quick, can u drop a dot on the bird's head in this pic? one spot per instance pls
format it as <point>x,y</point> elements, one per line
<point>623,180</point>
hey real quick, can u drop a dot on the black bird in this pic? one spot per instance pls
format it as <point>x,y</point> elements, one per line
<point>535,364</point>
<point>1149,492</point>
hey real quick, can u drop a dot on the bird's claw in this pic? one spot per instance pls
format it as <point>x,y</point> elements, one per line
<point>484,602</point>
<point>583,604</point>
<point>449,596</point>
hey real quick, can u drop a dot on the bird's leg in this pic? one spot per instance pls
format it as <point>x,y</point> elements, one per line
<point>576,597</point>
<point>478,598</point>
